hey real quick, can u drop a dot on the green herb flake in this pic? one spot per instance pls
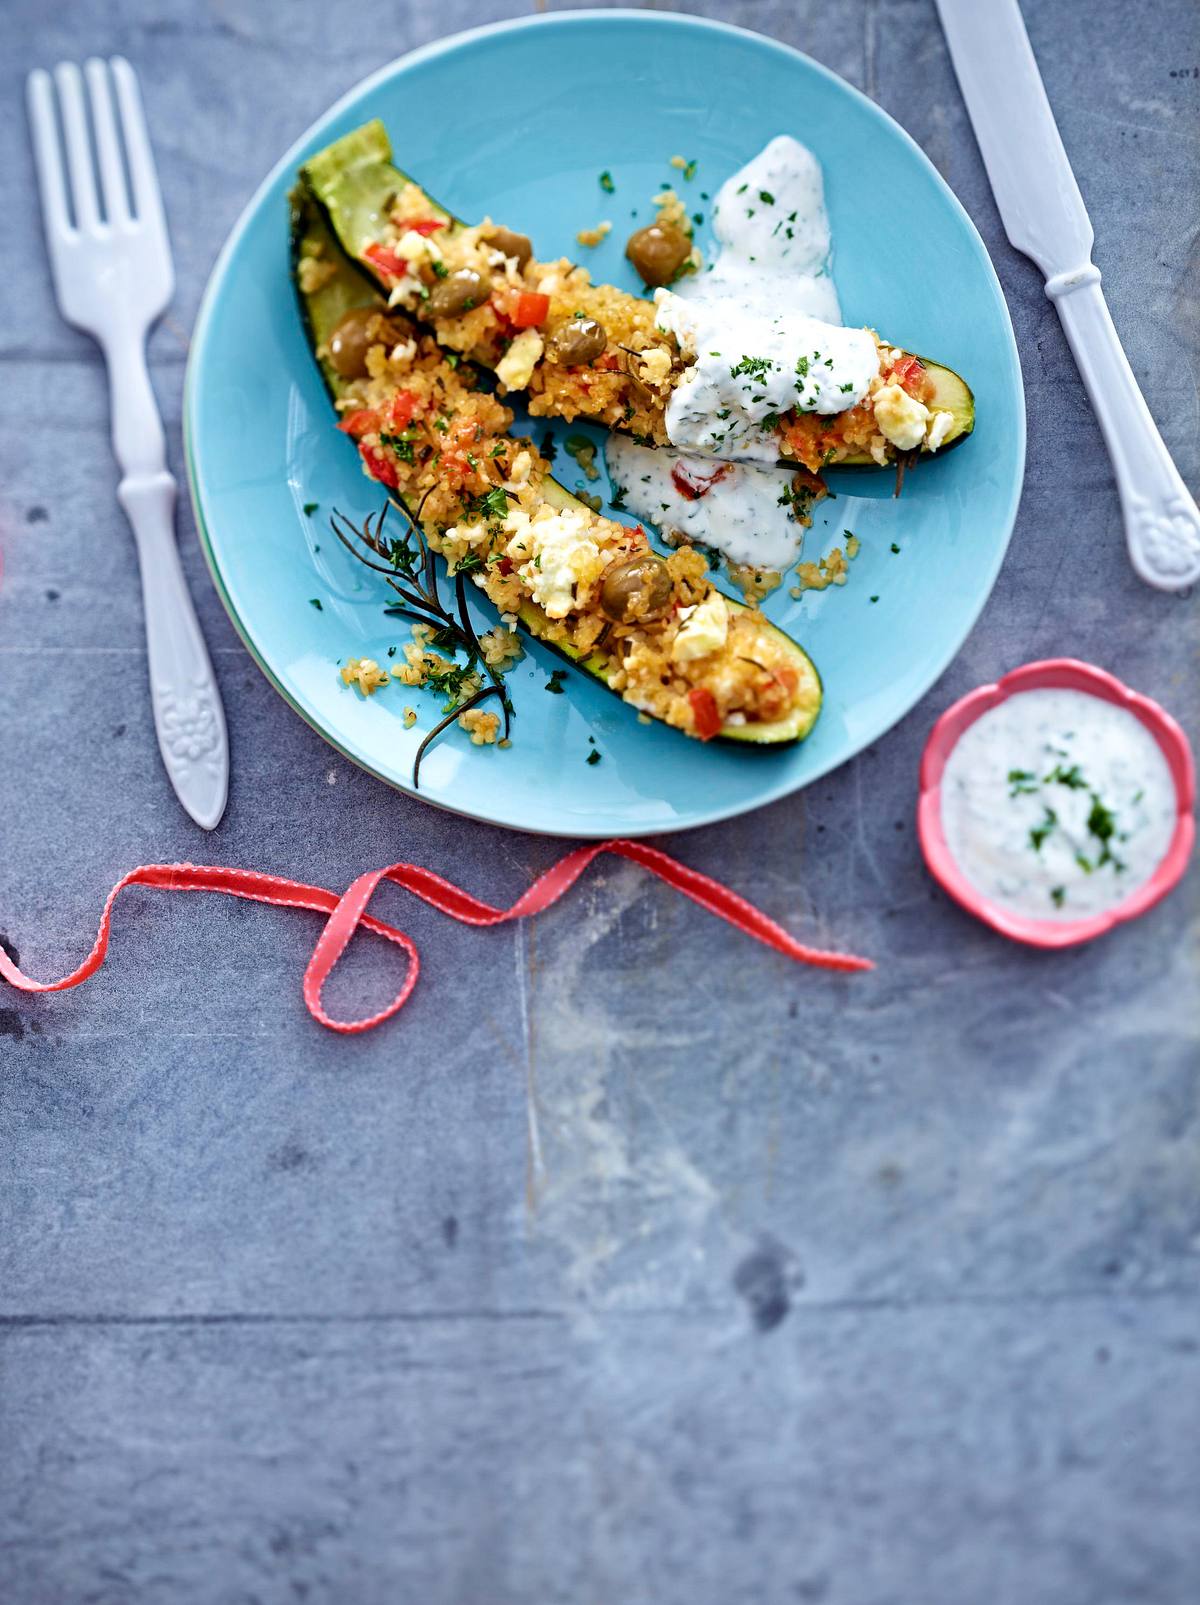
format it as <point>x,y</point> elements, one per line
<point>310,508</point>
<point>895,548</point>
<point>555,683</point>
<point>766,197</point>
<point>593,757</point>
<point>606,182</point>
<point>1058,895</point>
<point>1023,782</point>
<point>1038,833</point>
<point>315,601</point>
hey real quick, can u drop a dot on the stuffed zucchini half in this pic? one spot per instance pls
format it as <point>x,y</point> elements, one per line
<point>653,629</point>
<point>707,376</point>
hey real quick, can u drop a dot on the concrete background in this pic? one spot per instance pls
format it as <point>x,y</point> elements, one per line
<point>561,1288</point>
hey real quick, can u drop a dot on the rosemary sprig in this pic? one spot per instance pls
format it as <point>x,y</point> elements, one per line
<point>407,563</point>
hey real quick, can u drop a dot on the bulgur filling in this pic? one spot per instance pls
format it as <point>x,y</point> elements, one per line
<point>654,627</point>
<point>591,350</point>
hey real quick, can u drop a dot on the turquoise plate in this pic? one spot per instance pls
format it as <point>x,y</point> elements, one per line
<point>260,441</point>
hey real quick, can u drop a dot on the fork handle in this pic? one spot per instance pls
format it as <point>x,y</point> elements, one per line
<point>188,716</point>
<point>1162,524</point>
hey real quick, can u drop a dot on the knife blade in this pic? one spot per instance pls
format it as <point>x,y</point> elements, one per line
<point>1045,218</point>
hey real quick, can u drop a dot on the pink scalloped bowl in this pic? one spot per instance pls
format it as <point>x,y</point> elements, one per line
<point>1059,674</point>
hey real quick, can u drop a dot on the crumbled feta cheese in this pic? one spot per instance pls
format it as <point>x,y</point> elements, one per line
<point>656,365</point>
<point>515,368</point>
<point>940,426</point>
<point>404,352</point>
<point>553,552</point>
<point>705,629</point>
<point>901,419</point>
<point>414,247</point>
<point>521,465</point>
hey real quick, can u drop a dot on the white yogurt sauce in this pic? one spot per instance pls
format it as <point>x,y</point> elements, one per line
<point>764,326</point>
<point>1057,804</point>
<point>738,511</point>
<point>773,267</point>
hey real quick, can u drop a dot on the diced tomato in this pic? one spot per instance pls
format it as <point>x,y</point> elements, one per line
<point>908,374</point>
<point>386,262</point>
<point>359,423</point>
<point>530,309</point>
<point>405,404</point>
<point>505,565</point>
<point>608,363</point>
<point>704,712</point>
<point>379,467</point>
<point>692,485</point>
<point>426,226</point>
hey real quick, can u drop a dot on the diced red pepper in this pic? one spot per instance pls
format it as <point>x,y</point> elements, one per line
<point>405,404</point>
<point>529,310</point>
<point>359,423</point>
<point>704,712</point>
<point>907,373</point>
<point>379,467</point>
<point>505,565</point>
<point>608,362</point>
<point>692,486</point>
<point>386,262</point>
<point>425,226</point>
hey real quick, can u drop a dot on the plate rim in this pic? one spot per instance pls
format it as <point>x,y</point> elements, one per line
<point>443,46</point>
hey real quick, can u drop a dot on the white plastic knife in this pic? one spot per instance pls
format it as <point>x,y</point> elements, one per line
<point>1045,218</point>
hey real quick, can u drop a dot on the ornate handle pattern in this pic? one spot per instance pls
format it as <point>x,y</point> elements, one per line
<point>188,715</point>
<point>1162,523</point>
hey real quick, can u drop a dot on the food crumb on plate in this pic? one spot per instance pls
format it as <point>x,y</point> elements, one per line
<point>595,236</point>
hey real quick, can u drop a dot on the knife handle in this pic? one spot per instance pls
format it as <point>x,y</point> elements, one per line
<point>1162,523</point>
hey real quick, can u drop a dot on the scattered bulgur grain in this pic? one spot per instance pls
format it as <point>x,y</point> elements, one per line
<point>594,236</point>
<point>366,674</point>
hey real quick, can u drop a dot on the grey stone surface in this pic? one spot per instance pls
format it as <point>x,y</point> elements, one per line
<point>574,1284</point>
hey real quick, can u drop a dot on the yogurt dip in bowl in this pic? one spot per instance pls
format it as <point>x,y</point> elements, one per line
<point>1056,803</point>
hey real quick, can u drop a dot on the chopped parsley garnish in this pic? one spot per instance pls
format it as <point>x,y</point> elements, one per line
<point>895,548</point>
<point>402,445</point>
<point>440,270</point>
<point>1023,782</point>
<point>310,508</point>
<point>315,601</point>
<point>606,182</point>
<point>754,367</point>
<point>742,188</point>
<point>593,756</point>
<point>1038,833</point>
<point>1066,777</point>
<point>698,219</point>
<point>1057,895</point>
<point>766,197</point>
<point>873,599</point>
<point>802,367</point>
<point>689,169</point>
<point>555,683</point>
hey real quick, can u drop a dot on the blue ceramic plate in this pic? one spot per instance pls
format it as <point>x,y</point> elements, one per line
<point>261,443</point>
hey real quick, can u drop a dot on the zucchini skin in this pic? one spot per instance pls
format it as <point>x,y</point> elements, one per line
<point>320,311</point>
<point>353,178</point>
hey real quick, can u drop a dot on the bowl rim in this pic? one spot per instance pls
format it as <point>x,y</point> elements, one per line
<point>560,21</point>
<point>1061,674</point>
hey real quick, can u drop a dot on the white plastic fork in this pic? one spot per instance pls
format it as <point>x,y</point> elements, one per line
<point>113,278</point>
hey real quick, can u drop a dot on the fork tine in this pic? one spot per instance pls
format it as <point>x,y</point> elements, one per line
<point>69,82</point>
<point>47,154</point>
<point>147,202</point>
<point>108,150</point>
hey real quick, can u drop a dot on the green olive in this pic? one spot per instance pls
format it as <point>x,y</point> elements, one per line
<point>640,588</point>
<point>574,343</point>
<point>503,239</point>
<point>354,335</point>
<point>456,294</point>
<point>658,252</point>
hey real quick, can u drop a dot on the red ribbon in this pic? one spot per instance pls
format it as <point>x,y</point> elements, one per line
<point>348,912</point>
